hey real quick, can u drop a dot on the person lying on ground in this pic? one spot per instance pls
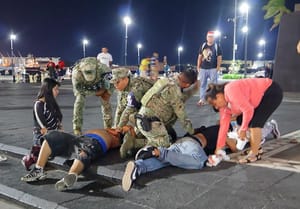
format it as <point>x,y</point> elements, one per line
<point>86,148</point>
<point>188,152</point>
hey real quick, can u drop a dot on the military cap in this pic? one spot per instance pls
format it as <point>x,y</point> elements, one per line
<point>119,73</point>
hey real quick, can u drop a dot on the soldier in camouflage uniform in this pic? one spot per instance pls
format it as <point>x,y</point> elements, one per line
<point>131,91</point>
<point>163,104</point>
<point>89,77</point>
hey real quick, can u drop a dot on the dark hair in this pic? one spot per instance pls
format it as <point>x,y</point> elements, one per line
<point>46,92</point>
<point>190,74</point>
<point>214,89</point>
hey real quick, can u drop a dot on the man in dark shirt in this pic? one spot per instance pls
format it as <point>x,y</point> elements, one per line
<point>209,63</point>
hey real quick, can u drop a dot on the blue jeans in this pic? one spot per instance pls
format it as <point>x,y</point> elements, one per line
<point>212,74</point>
<point>184,153</point>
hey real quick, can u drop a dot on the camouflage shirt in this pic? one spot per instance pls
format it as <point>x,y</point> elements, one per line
<point>129,100</point>
<point>83,87</point>
<point>167,103</point>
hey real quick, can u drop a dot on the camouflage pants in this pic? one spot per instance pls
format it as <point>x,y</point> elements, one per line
<point>158,136</point>
<point>131,144</point>
<point>78,112</point>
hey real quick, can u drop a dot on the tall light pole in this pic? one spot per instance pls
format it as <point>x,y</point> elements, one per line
<point>234,48</point>
<point>12,38</point>
<point>179,50</point>
<point>127,21</point>
<point>139,46</point>
<point>245,10</point>
<point>262,43</point>
<point>84,43</point>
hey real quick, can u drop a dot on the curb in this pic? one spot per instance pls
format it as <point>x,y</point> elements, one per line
<point>28,199</point>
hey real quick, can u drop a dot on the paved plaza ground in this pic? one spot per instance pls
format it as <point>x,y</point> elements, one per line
<point>271,183</point>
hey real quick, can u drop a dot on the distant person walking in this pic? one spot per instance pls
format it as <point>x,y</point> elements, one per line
<point>144,67</point>
<point>208,64</point>
<point>104,57</point>
<point>154,66</point>
<point>51,68</point>
<point>60,70</point>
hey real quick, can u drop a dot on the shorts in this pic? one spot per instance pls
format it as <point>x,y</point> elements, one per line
<point>268,104</point>
<point>60,143</point>
<point>92,151</point>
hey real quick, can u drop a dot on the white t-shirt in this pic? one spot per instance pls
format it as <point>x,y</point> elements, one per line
<point>104,58</point>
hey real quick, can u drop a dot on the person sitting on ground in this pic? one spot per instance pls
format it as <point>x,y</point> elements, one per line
<point>188,152</point>
<point>87,148</point>
<point>46,116</point>
<point>252,101</point>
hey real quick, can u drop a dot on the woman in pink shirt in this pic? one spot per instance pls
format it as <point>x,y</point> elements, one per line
<point>252,101</point>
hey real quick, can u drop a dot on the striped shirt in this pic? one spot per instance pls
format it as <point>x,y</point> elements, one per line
<point>44,118</point>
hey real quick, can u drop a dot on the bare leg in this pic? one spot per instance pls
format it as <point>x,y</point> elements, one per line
<point>45,152</point>
<point>77,167</point>
<point>255,138</point>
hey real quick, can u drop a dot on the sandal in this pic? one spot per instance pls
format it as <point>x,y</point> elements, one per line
<point>246,152</point>
<point>250,158</point>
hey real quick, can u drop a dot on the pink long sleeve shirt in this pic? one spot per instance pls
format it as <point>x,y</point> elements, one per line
<point>242,96</point>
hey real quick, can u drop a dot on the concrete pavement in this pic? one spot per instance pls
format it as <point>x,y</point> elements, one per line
<point>270,183</point>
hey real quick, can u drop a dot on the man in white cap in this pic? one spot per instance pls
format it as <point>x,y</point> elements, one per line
<point>209,63</point>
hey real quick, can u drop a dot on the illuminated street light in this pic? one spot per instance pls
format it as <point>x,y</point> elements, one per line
<point>262,43</point>
<point>127,21</point>
<point>180,49</point>
<point>12,37</point>
<point>244,9</point>
<point>139,46</point>
<point>84,43</point>
<point>260,55</point>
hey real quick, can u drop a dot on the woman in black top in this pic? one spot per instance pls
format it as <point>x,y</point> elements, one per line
<point>46,116</point>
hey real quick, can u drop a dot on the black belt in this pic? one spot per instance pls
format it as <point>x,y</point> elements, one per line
<point>194,137</point>
<point>151,119</point>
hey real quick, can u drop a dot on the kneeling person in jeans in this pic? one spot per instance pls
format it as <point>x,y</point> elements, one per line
<point>86,148</point>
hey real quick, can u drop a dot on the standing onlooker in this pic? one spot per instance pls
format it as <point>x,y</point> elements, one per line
<point>46,116</point>
<point>209,63</point>
<point>144,67</point>
<point>269,70</point>
<point>51,68</point>
<point>61,70</point>
<point>154,66</point>
<point>104,57</point>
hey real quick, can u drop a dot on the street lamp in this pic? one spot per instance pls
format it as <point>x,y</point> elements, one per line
<point>12,38</point>
<point>244,9</point>
<point>139,46</point>
<point>218,35</point>
<point>262,43</point>
<point>127,21</point>
<point>179,49</point>
<point>260,55</point>
<point>84,43</point>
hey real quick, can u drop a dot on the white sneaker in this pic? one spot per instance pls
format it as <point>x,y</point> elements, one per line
<point>66,182</point>
<point>2,158</point>
<point>275,129</point>
<point>129,176</point>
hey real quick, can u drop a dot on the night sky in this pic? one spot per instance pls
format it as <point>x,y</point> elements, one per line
<point>56,28</point>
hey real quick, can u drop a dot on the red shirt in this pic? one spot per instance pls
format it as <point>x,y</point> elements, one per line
<point>50,64</point>
<point>61,64</point>
<point>242,96</point>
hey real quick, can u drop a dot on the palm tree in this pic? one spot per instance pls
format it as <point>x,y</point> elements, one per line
<point>275,9</point>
